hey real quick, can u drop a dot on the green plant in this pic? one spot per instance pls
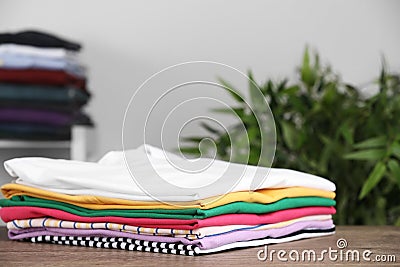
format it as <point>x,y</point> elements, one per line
<point>327,127</point>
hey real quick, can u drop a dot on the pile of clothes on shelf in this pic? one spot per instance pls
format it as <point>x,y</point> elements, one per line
<point>107,205</point>
<point>42,86</point>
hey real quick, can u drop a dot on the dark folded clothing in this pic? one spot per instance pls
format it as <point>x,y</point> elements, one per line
<point>39,39</point>
<point>41,77</point>
<point>52,94</point>
<point>46,117</point>
<point>26,131</point>
<point>69,108</point>
<point>82,119</point>
<point>35,116</point>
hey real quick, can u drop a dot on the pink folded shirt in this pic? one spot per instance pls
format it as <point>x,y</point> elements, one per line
<point>25,212</point>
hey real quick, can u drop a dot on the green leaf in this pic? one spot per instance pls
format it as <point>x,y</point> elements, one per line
<point>369,154</point>
<point>373,179</point>
<point>231,90</point>
<point>380,211</point>
<point>209,128</point>
<point>395,150</point>
<point>297,104</point>
<point>394,168</point>
<point>308,76</point>
<point>267,89</point>
<point>258,103</point>
<point>372,142</point>
<point>292,90</point>
<point>353,91</point>
<point>194,139</point>
<point>324,158</point>
<point>282,86</point>
<point>330,93</point>
<point>250,120</point>
<point>347,132</point>
<point>291,136</point>
<point>253,135</point>
<point>325,139</point>
<point>190,150</point>
<point>238,111</point>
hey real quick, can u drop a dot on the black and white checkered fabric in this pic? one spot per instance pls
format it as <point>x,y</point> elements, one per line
<point>117,243</point>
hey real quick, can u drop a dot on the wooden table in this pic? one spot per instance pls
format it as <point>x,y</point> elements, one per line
<point>380,240</point>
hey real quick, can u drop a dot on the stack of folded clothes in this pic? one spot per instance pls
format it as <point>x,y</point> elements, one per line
<point>42,86</point>
<point>100,205</point>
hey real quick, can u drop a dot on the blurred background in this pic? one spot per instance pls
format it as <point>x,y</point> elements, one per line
<point>125,42</point>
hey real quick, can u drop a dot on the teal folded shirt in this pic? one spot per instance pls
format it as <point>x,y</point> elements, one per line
<point>43,93</point>
<point>235,207</point>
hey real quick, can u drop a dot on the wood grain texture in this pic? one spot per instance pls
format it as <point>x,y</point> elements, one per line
<point>380,240</point>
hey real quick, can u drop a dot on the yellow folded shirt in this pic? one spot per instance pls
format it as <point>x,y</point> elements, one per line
<point>263,196</point>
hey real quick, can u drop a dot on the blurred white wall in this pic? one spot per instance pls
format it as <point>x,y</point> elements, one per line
<point>127,41</point>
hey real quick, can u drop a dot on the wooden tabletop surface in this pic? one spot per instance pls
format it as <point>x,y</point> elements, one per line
<point>383,243</point>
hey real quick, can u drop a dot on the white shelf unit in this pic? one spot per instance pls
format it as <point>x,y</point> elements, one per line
<point>78,145</point>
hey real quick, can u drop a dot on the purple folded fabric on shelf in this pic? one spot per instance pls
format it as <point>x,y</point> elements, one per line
<point>204,243</point>
<point>35,116</point>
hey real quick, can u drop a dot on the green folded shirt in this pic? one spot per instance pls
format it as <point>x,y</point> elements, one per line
<point>235,207</point>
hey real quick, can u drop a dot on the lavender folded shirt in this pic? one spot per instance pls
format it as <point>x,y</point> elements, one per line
<point>209,242</point>
<point>34,116</point>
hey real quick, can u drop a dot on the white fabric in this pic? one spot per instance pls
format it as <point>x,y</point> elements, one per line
<point>36,51</point>
<point>261,242</point>
<point>153,174</point>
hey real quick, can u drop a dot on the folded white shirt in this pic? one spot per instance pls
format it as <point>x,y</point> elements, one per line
<point>154,174</point>
<point>27,50</point>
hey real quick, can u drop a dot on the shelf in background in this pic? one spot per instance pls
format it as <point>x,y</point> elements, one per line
<point>78,145</point>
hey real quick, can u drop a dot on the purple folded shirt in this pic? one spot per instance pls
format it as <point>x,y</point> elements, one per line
<point>209,242</point>
<point>35,116</point>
